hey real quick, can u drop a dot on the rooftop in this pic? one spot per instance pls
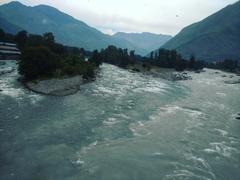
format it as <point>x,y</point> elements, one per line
<point>2,47</point>
<point>8,44</point>
<point>9,52</point>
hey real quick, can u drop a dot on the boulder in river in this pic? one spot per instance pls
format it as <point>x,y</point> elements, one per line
<point>238,118</point>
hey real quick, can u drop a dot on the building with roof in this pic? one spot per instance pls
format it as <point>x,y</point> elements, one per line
<point>9,51</point>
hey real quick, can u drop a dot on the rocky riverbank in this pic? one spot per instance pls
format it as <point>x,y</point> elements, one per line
<point>164,73</point>
<point>56,87</point>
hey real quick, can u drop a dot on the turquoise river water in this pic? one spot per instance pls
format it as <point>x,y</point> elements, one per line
<point>123,126</point>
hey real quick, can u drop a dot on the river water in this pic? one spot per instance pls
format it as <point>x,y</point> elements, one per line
<point>123,126</point>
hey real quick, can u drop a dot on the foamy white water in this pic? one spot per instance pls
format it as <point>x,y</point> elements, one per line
<point>122,126</point>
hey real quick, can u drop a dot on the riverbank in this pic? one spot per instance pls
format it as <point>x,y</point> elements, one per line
<point>70,85</point>
<point>164,73</point>
<point>55,86</point>
<point>62,86</point>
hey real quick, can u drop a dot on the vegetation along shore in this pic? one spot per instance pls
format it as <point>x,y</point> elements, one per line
<point>51,68</point>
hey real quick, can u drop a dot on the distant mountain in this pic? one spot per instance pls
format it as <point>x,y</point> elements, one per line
<point>8,27</point>
<point>215,38</point>
<point>67,30</point>
<point>147,41</point>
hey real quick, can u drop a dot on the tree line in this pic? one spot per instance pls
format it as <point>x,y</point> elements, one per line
<point>163,58</point>
<point>55,59</point>
<point>115,56</point>
<point>227,65</point>
<point>171,59</point>
<point>42,57</point>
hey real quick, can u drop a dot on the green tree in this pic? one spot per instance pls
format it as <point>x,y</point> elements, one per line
<point>21,39</point>
<point>96,58</point>
<point>192,62</point>
<point>151,55</point>
<point>37,61</point>
<point>49,37</point>
<point>2,35</point>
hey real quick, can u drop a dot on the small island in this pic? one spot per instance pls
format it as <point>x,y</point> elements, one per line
<point>51,68</point>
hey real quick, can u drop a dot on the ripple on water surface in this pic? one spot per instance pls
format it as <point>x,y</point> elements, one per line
<point>122,126</point>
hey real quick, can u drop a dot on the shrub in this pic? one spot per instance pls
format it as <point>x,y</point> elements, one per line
<point>75,65</point>
<point>37,61</point>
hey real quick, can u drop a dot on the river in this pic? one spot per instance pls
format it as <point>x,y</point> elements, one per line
<point>122,126</point>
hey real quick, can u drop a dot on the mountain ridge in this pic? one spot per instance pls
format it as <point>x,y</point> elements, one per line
<point>214,38</point>
<point>145,40</point>
<point>67,29</point>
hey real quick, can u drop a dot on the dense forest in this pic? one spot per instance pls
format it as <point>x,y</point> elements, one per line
<point>42,57</point>
<point>226,65</point>
<point>171,59</point>
<point>113,55</point>
<point>163,58</point>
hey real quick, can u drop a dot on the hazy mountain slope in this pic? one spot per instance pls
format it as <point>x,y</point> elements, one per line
<point>8,27</point>
<point>214,38</point>
<point>147,41</point>
<point>67,30</point>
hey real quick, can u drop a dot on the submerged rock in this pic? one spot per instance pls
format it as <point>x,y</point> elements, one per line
<point>232,81</point>
<point>238,118</point>
<point>56,87</point>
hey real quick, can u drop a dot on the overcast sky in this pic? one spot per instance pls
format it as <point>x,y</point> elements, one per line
<point>156,16</point>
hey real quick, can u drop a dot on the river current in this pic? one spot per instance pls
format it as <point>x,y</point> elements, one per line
<point>122,126</point>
